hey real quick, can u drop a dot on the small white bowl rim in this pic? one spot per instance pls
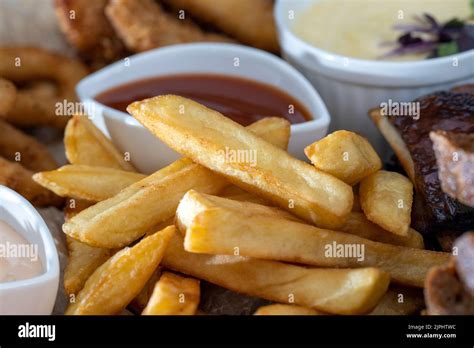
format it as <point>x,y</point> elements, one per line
<point>334,58</point>
<point>322,119</point>
<point>52,260</point>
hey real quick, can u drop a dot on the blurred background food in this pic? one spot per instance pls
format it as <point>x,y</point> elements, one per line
<point>58,42</point>
<point>106,30</point>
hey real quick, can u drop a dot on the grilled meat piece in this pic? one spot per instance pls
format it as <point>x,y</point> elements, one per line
<point>445,293</point>
<point>455,158</point>
<point>465,260</point>
<point>433,210</point>
<point>464,89</point>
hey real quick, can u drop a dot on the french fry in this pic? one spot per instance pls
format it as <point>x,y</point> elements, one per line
<point>193,203</point>
<point>207,137</point>
<point>281,309</point>
<point>83,260</point>
<point>346,155</point>
<point>225,227</point>
<point>386,199</point>
<point>86,145</point>
<point>114,284</point>
<point>174,295</point>
<point>359,225</point>
<point>338,291</point>
<point>237,194</point>
<point>400,301</point>
<point>154,199</point>
<point>396,301</point>
<point>74,206</point>
<point>140,301</point>
<point>18,178</point>
<point>24,149</point>
<point>89,183</point>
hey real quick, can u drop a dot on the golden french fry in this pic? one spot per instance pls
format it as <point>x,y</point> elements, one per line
<point>214,141</point>
<point>83,260</point>
<point>281,309</point>
<point>338,291</point>
<point>346,155</point>
<point>174,295</point>
<point>193,203</point>
<point>114,284</point>
<point>18,178</point>
<point>226,227</point>
<point>359,225</point>
<point>140,301</point>
<point>400,301</point>
<point>75,206</point>
<point>155,198</point>
<point>89,183</point>
<point>85,144</point>
<point>386,199</point>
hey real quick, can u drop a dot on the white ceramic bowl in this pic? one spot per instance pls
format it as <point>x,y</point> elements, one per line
<point>147,152</point>
<point>34,296</point>
<point>350,87</point>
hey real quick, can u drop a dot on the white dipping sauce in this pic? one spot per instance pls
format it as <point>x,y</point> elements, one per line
<point>356,28</point>
<point>18,258</point>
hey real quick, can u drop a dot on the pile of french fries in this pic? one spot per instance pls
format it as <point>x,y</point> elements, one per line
<point>333,237</point>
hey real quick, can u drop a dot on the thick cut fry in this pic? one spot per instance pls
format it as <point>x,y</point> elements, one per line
<point>85,144</point>
<point>207,137</point>
<point>281,309</point>
<point>89,183</point>
<point>144,25</point>
<point>386,200</point>
<point>24,149</point>
<point>249,21</point>
<point>75,206</point>
<point>245,197</point>
<point>227,227</point>
<point>114,284</point>
<point>174,295</point>
<point>83,260</point>
<point>346,155</point>
<point>8,92</point>
<point>358,224</point>
<point>338,291</point>
<point>193,203</point>
<point>19,179</point>
<point>400,301</point>
<point>154,199</point>
<point>140,301</point>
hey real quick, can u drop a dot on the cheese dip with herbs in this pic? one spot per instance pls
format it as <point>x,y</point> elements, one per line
<point>364,29</point>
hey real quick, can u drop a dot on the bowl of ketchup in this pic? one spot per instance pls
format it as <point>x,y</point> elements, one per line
<point>242,83</point>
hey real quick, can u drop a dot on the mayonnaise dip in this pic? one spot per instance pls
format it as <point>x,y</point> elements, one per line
<point>359,28</point>
<point>18,258</point>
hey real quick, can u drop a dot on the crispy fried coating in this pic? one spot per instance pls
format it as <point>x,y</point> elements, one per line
<point>144,25</point>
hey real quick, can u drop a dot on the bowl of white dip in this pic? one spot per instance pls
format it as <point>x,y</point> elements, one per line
<point>337,45</point>
<point>29,266</point>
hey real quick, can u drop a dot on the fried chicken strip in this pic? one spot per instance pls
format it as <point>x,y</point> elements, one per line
<point>88,30</point>
<point>249,21</point>
<point>144,25</point>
